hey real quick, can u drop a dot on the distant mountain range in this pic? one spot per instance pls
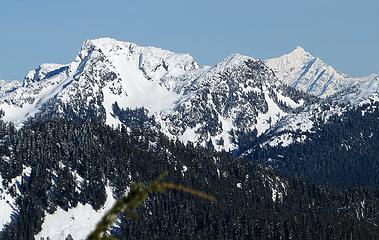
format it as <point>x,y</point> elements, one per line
<point>187,101</point>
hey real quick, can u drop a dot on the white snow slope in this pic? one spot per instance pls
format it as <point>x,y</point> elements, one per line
<point>301,70</point>
<point>122,71</point>
<point>78,221</point>
<point>8,201</point>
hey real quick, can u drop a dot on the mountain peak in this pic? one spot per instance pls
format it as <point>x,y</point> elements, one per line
<point>298,54</point>
<point>301,70</point>
<point>235,59</point>
<point>147,55</point>
<point>104,41</point>
<point>104,44</point>
<point>299,49</point>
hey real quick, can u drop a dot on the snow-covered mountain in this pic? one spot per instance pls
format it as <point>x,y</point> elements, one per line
<point>301,70</point>
<point>188,102</point>
<point>295,126</point>
<point>103,68</point>
<point>192,103</point>
<point>238,94</point>
<point>280,100</point>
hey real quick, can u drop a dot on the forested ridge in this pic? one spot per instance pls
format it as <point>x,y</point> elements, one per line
<point>342,152</point>
<point>73,162</point>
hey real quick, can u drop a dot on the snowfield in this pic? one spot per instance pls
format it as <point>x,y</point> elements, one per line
<point>78,221</point>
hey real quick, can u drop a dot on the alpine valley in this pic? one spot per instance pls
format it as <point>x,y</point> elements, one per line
<point>289,146</point>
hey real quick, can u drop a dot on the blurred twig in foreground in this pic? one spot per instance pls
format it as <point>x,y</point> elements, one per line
<point>136,197</point>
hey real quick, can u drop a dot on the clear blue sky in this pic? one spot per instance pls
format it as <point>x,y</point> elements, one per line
<point>344,33</point>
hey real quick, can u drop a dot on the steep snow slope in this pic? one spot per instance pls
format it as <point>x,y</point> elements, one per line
<point>104,69</point>
<point>301,70</point>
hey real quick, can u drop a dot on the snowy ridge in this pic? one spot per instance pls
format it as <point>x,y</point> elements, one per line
<point>43,71</point>
<point>339,93</point>
<point>8,86</point>
<point>189,102</point>
<point>102,66</point>
<point>238,93</point>
<point>301,70</point>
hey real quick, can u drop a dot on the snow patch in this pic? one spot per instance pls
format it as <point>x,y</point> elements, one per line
<point>78,221</point>
<point>7,205</point>
<point>268,119</point>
